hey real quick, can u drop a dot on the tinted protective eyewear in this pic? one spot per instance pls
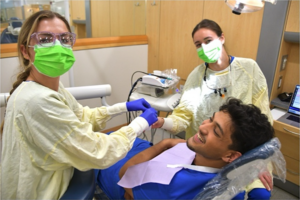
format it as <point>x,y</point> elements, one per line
<point>47,39</point>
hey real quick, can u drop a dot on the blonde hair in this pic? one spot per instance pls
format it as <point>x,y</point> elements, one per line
<point>28,28</point>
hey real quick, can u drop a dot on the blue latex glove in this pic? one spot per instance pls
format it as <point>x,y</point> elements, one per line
<point>150,115</point>
<point>139,104</point>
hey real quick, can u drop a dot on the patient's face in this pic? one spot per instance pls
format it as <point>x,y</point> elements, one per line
<point>213,137</point>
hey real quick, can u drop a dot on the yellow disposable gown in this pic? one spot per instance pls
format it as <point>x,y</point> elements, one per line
<point>199,100</point>
<point>46,134</point>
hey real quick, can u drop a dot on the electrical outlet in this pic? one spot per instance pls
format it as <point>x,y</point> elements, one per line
<point>279,82</point>
<point>283,62</point>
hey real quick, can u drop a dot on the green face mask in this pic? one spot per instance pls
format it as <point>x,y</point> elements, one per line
<point>53,61</point>
<point>210,52</point>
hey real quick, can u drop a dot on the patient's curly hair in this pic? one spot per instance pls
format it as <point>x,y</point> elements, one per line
<point>250,127</point>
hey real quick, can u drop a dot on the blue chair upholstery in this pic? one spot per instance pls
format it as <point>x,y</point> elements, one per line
<point>82,186</point>
<point>7,37</point>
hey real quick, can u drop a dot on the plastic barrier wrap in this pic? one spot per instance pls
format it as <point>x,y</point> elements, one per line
<point>234,177</point>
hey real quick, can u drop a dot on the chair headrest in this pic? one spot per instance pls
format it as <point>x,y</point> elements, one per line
<point>15,24</point>
<point>234,177</point>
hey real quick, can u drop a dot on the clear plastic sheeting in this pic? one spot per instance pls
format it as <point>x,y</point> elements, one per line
<point>172,74</point>
<point>234,177</point>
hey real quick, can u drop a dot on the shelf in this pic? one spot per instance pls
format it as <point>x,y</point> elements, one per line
<point>281,104</point>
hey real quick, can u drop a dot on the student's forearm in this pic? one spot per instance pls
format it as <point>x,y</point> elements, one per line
<point>149,153</point>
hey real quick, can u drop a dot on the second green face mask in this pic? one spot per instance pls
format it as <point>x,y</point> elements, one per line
<point>53,61</point>
<point>210,52</point>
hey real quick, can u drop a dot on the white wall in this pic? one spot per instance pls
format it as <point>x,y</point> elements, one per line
<point>112,66</point>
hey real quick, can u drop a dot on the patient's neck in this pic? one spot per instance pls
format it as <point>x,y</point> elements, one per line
<point>208,162</point>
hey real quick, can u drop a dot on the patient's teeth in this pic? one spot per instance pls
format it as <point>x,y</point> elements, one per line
<point>200,138</point>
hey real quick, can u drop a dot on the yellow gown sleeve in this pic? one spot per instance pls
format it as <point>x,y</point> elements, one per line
<point>181,118</point>
<point>260,93</point>
<point>66,140</point>
<point>97,117</point>
<point>257,183</point>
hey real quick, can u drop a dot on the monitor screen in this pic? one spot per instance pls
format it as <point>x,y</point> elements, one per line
<point>295,101</point>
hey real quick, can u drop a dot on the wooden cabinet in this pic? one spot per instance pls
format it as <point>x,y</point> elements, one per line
<point>14,12</point>
<point>127,18</point>
<point>46,7</point>
<point>293,17</point>
<point>174,44</point>
<point>290,74</point>
<point>30,9</point>
<point>77,9</point>
<point>100,18</point>
<point>78,17</point>
<point>287,134</point>
<point>289,138</point>
<point>139,21</point>
<point>292,170</point>
<point>111,17</point>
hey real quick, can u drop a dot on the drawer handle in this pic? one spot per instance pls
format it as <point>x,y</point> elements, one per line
<point>292,172</point>
<point>291,131</point>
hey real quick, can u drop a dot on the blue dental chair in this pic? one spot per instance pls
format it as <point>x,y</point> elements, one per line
<point>82,186</point>
<point>6,36</point>
<point>234,177</point>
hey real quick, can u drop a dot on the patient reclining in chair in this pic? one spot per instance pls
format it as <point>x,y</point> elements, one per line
<point>179,169</point>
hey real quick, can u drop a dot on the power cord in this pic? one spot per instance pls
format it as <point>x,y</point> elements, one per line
<point>128,117</point>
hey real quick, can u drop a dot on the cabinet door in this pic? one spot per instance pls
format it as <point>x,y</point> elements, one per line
<point>30,9</point>
<point>122,17</point>
<point>293,17</point>
<point>289,139</point>
<point>139,18</point>
<point>14,12</point>
<point>46,7</point>
<point>176,48</point>
<point>77,10</point>
<point>292,170</point>
<point>128,18</point>
<point>100,18</point>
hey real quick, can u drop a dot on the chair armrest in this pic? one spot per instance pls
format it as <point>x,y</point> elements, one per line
<point>81,186</point>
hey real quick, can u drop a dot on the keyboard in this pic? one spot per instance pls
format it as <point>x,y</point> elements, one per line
<point>294,118</point>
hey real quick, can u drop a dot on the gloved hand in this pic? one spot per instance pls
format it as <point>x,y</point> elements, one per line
<point>150,115</point>
<point>139,104</point>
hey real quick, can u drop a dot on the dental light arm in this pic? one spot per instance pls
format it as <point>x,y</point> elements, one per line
<point>90,92</point>
<point>83,92</point>
<point>3,99</point>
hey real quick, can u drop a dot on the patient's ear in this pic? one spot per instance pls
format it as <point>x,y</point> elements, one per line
<point>231,156</point>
